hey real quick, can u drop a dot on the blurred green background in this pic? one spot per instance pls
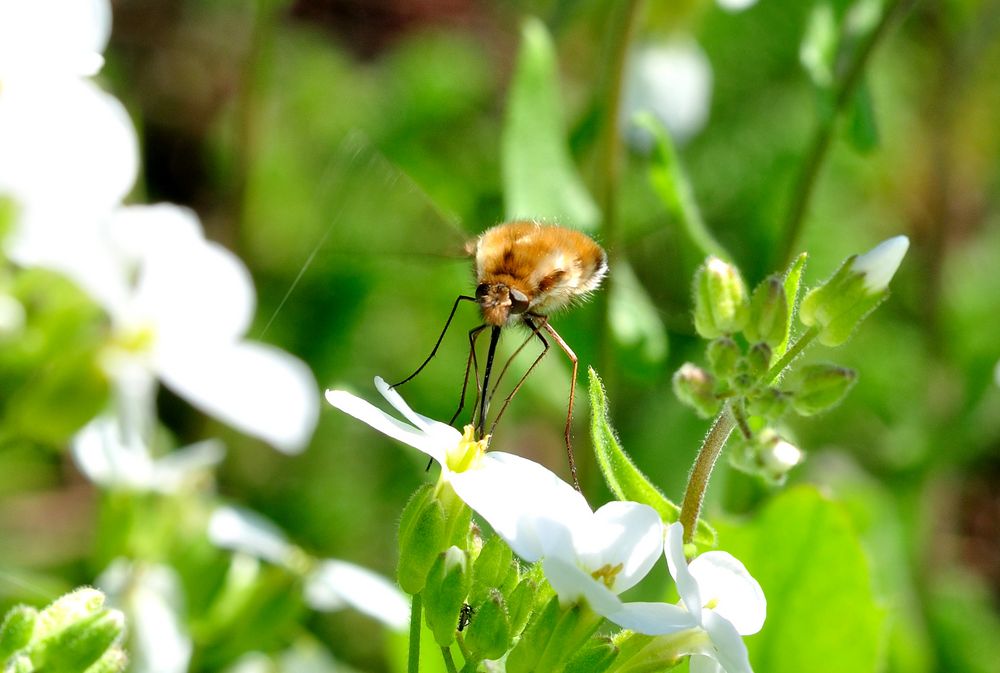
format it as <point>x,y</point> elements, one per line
<point>345,149</point>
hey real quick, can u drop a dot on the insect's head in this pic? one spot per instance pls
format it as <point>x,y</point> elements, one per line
<point>500,303</point>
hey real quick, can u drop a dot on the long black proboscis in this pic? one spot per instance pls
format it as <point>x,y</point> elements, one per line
<point>484,394</point>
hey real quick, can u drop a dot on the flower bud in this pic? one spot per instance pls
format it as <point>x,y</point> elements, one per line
<point>520,604</point>
<point>444,594</point>
<point>113,661</point>
<point>422,536</point>
<point>722,356</point>
<point>491,568</point>
<point>489,634</point>
<point>66,610</point>
<point>18,627</point>
<point>768,320</point>
<point>720,299</point>
<point>819,387</point>
<point>758,360</point>
<point>596,656</point>
<point>696,388</point>
<point>528,652</point>
<point>77,646</point>
<point>769,403</point>
<point>837,306</point>
<point>776,455</point>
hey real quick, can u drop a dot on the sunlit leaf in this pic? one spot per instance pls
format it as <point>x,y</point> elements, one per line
<point>793,278</point>
<point>822,614</point>
<point>624,479</point>
<point>539,178</point>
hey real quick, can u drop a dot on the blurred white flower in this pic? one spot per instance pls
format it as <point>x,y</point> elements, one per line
<point>68,151</point>
<point>671,80</point>
<point>114,458</point>
<point>151,596</point>
<point>595,558</point>
<point>179,306</point>
<point>736,5</point>
<point>330,584</point>
<point>720,600</point>
<point>516,496</point>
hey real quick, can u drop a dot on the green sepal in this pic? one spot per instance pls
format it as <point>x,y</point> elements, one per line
<point>422,537</point>
<point>622,476</point>
<point>528,652</point>
<point>596,656</point>
<point>769,403</point>
<point>445,592</point>
<point>112,661</point>
<point>489,634</point>
<point>721,305</point>
<point>79,645</point>
<point>695,388</point>
<point>521,603</point>
<point>768,320</point>
<point>793,279</point>
<point>491,568</point>
<point>837,306</point>
<point>17,629</point>
<point>820,387</point>
<point>758,360</point>
<point>722,354</point>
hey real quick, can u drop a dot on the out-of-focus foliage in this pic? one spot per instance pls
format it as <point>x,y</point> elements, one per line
<point>346,155</point>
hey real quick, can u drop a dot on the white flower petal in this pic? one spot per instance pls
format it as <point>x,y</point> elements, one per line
<point>881,262</point>
<point>704,664</point>
<point>729,648</point>
<point>428,425</point>
<point>687,586</point>
<point>243,530</point>
<point>178,468</point>
<point>150,231</point>
<point>526,504</point>
<point>368,413</point>
<point>53,37</point>
<point>736,5</point>
<point>336,583</point>
<point>626,533</point>
<point>103,455</point>
<point>574,585</point>
<point>256,388</point>
<point>726,585</point>
<point>653,619</point>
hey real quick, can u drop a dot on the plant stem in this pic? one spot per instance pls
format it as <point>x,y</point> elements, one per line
<point>701,472</point>
<point>793,352</point>
<point>449,663</point>
<point>851,77</point>
<point>413,663</point>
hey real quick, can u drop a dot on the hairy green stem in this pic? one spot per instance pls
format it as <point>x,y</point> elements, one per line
<point>413,661</point>
<point>805,184</point>
<point>793,352</point>
<point>449,663</point>
<point>701,472</point>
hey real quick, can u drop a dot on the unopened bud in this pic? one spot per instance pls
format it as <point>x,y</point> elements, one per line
<point>445,592</point>
<point>489,634</point>
<point>758,360</point>
<point>82,643</point>
<point>520,604</point>
<point>768,320</point>
<point>18,627</point>
<point>769,403</point>
<point>595,657</point>
<point>112,661</point>
<point>491,568</point>
<point>422,536</point>
<point>723,354</point>
<point>837,306</point>
<point>68,609</point>
<point>528,652</point>
<point>696,388</point>
<point>720,299</point>
<point>776,455</point>
<point>820,387</point>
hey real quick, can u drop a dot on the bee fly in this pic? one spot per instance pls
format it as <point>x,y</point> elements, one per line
<point>525,271</point>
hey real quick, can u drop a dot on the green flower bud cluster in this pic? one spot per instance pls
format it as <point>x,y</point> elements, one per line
<point>473,591</point>
<point>75,634</point>
<point>748,354</point>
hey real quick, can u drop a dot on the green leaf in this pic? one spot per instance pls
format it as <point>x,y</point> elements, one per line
<point>822,615</point>
<point>539,178</point>
<point>624,479</point>
<point>672,186</point>
<point>862,127</point>
<point>793,278</point>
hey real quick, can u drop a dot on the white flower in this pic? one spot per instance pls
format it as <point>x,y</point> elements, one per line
<point>179,306</point>
<point>719,599</point>
<point>880,263</point>
<point>330,584</point>
<point>152,597</point>
<point>114,458</point>
<point>53,37</point>
<point>736,5</point>
<point>596,557</point>
<point>519,498</point>
<point>673,81</point>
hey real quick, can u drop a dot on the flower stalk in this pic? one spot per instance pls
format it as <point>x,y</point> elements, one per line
<point>701,472</point>
<point>413,657</point>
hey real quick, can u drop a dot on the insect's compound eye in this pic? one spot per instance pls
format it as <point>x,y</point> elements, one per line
<point>518,301</point>
<point>482,291</point>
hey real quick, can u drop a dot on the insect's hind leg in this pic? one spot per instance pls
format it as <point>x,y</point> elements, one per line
<point>440,338</point>
<point>572,394</point>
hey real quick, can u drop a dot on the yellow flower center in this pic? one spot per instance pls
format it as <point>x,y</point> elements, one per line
<point>607,573</point>
<point>711,603</point>
<point>468,453</point>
